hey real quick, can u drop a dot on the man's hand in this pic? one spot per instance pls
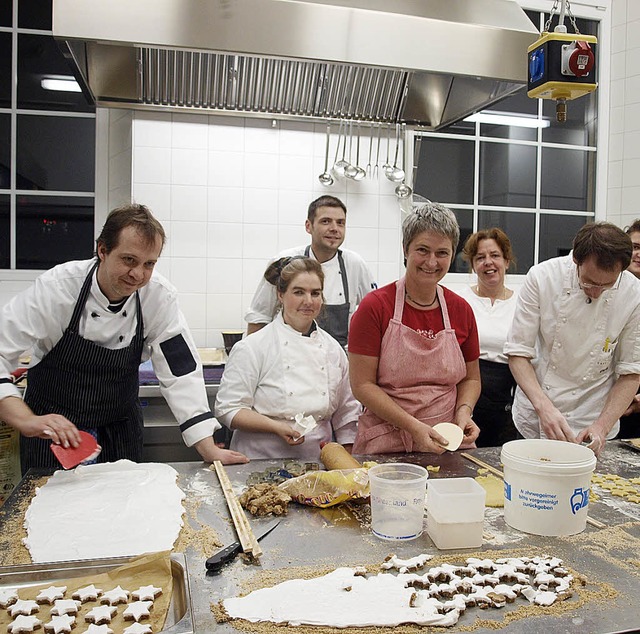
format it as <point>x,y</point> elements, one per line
<point>51,426</point>
<point>209,452</point>
<point>634,408</point>
<point>554,426</point>
<point>595,438</point>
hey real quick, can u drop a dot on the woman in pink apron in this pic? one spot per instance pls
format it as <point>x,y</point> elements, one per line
<point>413,347</point>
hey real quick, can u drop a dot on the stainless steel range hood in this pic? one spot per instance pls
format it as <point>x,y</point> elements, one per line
<point>424,62</point>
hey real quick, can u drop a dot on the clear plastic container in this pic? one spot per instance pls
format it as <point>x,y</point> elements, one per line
<point>455,512</point>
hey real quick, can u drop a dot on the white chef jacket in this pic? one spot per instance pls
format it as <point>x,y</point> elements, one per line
<point>279,373</point>
<point>35,320</point>
<point>493,320</point>
<point>264,303</point>
<point>578,349</point>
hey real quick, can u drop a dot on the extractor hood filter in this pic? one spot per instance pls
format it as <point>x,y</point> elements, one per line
<point>423,63</point>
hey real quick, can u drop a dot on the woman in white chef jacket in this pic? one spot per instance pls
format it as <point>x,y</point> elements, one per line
<point>289,367</point>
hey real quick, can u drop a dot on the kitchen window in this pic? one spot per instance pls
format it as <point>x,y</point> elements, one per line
<point>47,146</point>
<point>537,184</point>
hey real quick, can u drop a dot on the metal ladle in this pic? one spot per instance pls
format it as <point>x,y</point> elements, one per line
<point>403,190</point>
<point>395,174</point>
<point>325,178</point>
<point>340,165</point>
<point>360,172</point>
<point>351,170</point>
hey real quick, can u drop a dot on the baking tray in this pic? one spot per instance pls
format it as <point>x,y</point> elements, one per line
<point>179,615</point>
<point>632,443</point>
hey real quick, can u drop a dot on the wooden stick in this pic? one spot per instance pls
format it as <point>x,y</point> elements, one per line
<point>499,473</point>
<point>246,537</point>
<point>482,464</point>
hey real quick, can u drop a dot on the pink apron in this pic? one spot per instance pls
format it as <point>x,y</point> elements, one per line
<point>419,373</point>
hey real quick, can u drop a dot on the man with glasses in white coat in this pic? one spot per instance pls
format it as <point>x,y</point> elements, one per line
<point>574,344</point>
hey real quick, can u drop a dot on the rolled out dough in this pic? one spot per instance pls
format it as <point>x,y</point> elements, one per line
<point>495,489</point>
<point>452,433</point>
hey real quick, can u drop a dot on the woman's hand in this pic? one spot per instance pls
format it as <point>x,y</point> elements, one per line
<point>427,440</point>
<point>463,420</point>
<point>284,429</point>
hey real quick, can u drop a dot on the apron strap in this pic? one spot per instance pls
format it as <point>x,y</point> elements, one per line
<point>74,323</point>
<point>343,273</point>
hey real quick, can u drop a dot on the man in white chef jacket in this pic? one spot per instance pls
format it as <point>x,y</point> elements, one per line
<point>347,278</point>
<point>574,344</point>
<point>88,325</point>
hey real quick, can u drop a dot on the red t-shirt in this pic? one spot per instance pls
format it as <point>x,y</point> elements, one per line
<point>370,321</point>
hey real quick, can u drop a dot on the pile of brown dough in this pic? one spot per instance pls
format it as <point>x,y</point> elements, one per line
<point>265,499</point>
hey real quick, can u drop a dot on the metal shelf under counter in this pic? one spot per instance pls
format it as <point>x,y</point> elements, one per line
<point>162,438</point>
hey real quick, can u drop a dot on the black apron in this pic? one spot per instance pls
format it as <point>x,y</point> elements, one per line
<point>492,413</point>
<point>629,426</point>
<point>334,318</point>
<point>95,387</point>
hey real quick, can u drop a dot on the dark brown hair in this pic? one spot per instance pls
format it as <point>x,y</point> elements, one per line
<point>634,227</point>
<point>324,201</point>
<point>609,244</point>
<point>133,215</point>
<point>470,249</point>
<point>283,271</point>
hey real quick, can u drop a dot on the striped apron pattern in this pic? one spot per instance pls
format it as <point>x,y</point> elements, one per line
<point>95,387</point>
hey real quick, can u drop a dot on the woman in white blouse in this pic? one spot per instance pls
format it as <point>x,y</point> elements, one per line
<point>489,255</point>
<point>289,367</point>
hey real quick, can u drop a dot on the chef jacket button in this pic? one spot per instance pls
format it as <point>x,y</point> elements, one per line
<point>290,393</point>
<point>564,319</point>
<point>584,378</point>
<point>124,313</point>
<point>322,367</point>
<point>573,391</point>
<point>286,343</point>
<point>559,344</point>
<point>95,315</point>
<point>591,353</point>
<point>120,338</point>
<point>324,393</point>
<point>553,366</point>
<point>546,387</point>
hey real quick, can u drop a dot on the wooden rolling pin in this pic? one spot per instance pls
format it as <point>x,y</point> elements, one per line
<point>335,456</point>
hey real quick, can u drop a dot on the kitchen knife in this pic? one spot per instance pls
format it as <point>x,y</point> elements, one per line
<point>227,554</point>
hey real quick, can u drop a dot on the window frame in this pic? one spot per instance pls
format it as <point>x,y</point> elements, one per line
<point>600,12</point>
<point>13,273</point>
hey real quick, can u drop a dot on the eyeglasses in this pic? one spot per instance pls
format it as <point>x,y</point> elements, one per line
<point>599,287</point>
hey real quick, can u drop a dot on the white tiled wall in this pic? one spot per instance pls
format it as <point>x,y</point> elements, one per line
<point>233,192</point>
<point>623,201</point>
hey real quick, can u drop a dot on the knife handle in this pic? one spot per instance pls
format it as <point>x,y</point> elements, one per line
<point>223,556</point>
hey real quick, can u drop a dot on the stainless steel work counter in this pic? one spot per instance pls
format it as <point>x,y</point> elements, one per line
<point>332,537</point>
<point>328,538</point>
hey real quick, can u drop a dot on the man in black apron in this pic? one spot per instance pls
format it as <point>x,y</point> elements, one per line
<point>347,277</point>
<point>79,383</point>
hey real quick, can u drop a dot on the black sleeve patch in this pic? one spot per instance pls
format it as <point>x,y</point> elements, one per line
<point>178,356</point>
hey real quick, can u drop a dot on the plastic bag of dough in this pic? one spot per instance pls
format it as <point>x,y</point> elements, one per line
<point>328,488</point>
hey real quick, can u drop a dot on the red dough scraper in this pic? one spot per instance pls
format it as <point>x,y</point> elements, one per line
<point>72,456</point>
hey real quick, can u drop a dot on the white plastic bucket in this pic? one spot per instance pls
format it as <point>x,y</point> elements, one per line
<point>546,486</point>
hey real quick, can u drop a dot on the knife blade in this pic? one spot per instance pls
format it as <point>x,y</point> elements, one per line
<point>227,554</point>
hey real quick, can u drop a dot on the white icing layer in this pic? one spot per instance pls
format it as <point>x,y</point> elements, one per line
<point>345,598</point>
<point>105,510</point>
